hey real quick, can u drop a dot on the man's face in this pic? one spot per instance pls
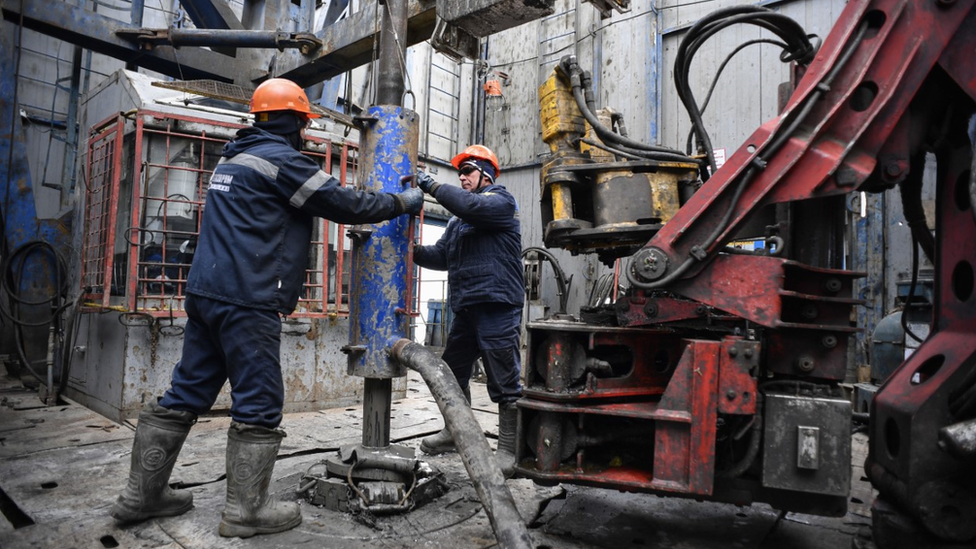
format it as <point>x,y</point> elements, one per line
<point>470,178</point>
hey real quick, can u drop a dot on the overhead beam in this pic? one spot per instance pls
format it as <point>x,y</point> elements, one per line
<point>97,33</point>
<point>348,44</point>
<point>211,14</point>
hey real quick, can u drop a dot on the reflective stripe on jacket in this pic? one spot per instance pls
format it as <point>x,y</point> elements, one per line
<point>258,217</point>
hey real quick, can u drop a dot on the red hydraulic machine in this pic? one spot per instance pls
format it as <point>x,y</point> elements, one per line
<point>717,373</point>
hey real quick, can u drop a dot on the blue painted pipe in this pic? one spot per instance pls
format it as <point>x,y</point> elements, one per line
<point>389,151</point>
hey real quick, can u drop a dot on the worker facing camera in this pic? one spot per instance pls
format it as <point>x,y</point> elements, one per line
<point>481,252</point>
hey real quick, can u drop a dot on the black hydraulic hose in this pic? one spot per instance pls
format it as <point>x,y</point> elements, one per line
<point>8,286</point>
<point>576,77</point>
<point>800,50</point>
<point>718,74</point>
<point>507,523</point>
<point>656,153</point>
<point>911,292</point>
<point>910,191</point>
<point>586,81</point>
<point>615,151</point>
<point>758,164</point>
<point>561,281</point>
<point>755,437</point>
<point>9,282</point>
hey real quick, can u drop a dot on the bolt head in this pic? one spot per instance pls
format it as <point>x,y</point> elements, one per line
<point>833,285</point>
<point>893,169</point>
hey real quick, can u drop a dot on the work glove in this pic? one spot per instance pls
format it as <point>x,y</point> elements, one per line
<point>426,182</point>
<point>409,201</point>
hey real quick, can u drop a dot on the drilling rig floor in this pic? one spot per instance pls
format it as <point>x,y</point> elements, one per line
<point>61,468</point>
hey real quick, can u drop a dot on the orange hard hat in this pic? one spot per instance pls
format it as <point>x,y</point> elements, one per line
<point>478,152</point>
<point>280,94</point>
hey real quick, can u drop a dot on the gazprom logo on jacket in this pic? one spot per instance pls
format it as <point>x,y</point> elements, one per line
<point>221,182</point>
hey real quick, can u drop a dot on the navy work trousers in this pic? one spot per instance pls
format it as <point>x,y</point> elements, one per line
<point>491,331</point>
<point>224,341</point>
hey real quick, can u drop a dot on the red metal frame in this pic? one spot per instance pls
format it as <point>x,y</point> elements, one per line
<point>154,285</point>
<point>101,205</point>
<point>684,420</point>
<point>906,463</point>
<point>836,150</point>
<point>856,134</point>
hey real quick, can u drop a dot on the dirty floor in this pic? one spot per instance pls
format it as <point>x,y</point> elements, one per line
<point>62,467</point>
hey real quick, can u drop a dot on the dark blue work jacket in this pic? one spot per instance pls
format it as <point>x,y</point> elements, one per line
<point>481,249</point>
<point>258,218</point>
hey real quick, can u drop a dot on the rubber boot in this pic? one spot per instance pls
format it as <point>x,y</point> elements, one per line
<point>251,454</point>
<point>507,424</point>
<point>159,437</point>
<point>442,441</point>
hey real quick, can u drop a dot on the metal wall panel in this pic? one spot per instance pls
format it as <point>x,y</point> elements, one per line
<point>747,92</point>
<point>628,69</point>
<point>116,369</point>
<point>511,126</point>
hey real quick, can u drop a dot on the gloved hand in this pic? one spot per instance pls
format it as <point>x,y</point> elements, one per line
<point>409,201</point>
<point>426,182</point>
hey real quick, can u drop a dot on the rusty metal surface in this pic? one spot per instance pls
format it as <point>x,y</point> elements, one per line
<point>603,436</point>
<point>738,391</point>
<point>774,292</point>
<point>807,444</point>
<point>348,43</point>
<point>837,151</point>
<point>933,388</point>
<point>481,18</point>
<point>641,310</point>
<point>639,363</point>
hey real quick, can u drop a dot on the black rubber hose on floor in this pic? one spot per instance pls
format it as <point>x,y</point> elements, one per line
<point>510,530</point>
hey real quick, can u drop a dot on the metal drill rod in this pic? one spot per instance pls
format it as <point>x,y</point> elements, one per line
<point>392,53</point>
<point>390,150</point>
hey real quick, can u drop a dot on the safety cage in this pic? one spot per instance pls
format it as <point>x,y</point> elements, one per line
<point>139,239</point>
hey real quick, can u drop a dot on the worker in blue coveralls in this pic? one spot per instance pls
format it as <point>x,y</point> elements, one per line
<point>481,250</point>
<point>248,270</point>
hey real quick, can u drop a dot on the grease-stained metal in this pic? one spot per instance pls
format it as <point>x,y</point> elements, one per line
<point>379,284</point>
<point>150,38</point>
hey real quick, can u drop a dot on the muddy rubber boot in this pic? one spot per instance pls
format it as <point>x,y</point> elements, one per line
<point>251,454</point>
<point>159,437</point>
<point>442,441</point>
<point>507,424</point>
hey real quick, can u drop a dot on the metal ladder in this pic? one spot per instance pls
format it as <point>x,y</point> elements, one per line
<point>443,106</point>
